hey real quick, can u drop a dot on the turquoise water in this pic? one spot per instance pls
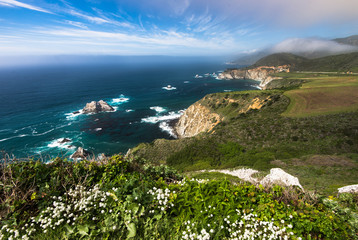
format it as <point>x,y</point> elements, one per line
<point>37,102</point>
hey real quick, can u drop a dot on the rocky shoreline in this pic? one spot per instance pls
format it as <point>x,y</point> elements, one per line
<point>263,74</point>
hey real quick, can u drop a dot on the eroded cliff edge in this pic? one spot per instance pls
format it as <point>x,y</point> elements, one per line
<point>264,74</point>
<point>208,112</point>
<point>196,119</point>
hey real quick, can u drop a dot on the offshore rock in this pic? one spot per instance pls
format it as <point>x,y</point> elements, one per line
<point>196,119</point>
<point>80,153</point>
<point>280,177</point>
<point>96,107</point>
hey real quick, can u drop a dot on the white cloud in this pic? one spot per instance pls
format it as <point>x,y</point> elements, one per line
<point>97,20</point>
<point>14,3</point>
<point>76,24</point>
<point>84,41</point>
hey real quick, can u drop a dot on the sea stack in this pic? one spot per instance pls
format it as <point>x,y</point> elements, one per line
<point>96,107</point>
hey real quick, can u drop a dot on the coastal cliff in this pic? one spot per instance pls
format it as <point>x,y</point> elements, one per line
<point>196,119</point>
<point>207,113</point>
<point>262,74</point>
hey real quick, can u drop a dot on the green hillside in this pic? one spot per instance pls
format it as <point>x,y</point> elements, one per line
<point>279,59</point>
<point>336,63</point>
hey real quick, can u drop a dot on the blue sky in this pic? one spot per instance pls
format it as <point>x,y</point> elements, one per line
<point>167,27</point>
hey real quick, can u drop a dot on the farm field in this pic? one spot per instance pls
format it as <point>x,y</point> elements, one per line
<point>323,94</point>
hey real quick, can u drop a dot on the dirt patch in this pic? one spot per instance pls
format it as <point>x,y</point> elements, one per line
<point>326,160</point>
<point>278,163</point>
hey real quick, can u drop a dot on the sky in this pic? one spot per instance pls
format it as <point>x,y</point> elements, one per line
<point>168,27</point>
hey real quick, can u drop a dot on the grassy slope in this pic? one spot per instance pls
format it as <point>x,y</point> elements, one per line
<point>323,95</point>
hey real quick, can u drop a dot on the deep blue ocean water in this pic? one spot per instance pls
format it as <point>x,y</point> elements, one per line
<point>37,102</point>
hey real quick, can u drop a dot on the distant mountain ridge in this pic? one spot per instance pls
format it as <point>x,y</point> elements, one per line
<point>351,40</point>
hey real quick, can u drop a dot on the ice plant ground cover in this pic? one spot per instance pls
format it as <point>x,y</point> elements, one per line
<point>119,198</point>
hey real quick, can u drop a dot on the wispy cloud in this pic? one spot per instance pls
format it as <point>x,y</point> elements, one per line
<point>82,41</point>
<point>76,24</point>
<point>14,3</point>
<point>92,19</point>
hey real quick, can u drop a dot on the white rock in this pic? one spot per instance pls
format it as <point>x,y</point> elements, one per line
<point>280,177</point>
<point>349,189</point>
<point>243,173</point>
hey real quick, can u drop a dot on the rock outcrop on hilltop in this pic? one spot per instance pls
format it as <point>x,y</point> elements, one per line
<point>196,119</point>
<point>96,107</point>
<point>262,74</point>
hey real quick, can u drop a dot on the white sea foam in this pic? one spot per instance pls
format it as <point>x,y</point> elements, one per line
<point>98,129</point>
<point>227,90</point>
<point>57,143</point>
<point>169,88</point>
<point>156,119</point>
<point>165,127</point>
<point>18,136</point>
<point>120,100</point>
<point>129,110</point>
<point>256,86</point>
<point>158,109</point>
<point>73,115</point>
<point>18,130</point>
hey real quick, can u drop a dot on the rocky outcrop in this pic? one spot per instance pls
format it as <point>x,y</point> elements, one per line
<point>80,153</point>
<point>196,119</point>
<point>262,74</point>
<point>96,107</point>
<point>276,176</point>
<point>280,177</point>
<point>348,189</point>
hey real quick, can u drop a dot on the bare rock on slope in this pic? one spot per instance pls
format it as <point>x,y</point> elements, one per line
<point>280,177</point>
<point>348,189</point>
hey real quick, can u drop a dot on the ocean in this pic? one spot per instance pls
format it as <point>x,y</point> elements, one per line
<point>37,102</point>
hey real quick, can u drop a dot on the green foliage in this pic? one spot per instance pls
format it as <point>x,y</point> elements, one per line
<point>119,198</point>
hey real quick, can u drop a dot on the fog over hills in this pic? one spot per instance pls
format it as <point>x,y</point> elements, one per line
<point>305,47</point>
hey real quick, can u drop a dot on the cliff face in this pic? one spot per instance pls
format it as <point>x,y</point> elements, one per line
<point>208,112</point>
<point>262,74</point>
<point>196,119</point>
